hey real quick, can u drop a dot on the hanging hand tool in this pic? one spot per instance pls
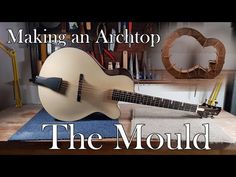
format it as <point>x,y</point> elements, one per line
<point>119,27</point>
<point>124,25</point>
<point>131,70</point>
<point>82,28</point>
<point>16,85</point>
<point>130,24</point>
<point>111,46</point>
<point>125,59</point>
<point>117,66</point>
<point>144,65</point>
<point>74,27</point>
<point>110,66</point>
<point>88,25</point>
<point>109,54</point>
<point>91,49</point>
<point>101,26</point>
<point>101,49</point>
<point>136,66</point>
<point>91,38</point>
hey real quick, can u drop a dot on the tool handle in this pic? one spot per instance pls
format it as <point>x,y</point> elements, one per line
<point>88,25</point>
<point>101,50</point>
<point>119,27</point>
<point>109,54</point>
<point>136,66</point>
<point>82,30</point>
<point>131,69</point>
<point>102,59</point>
<point>124,26</point>
<point>111,46</point>
<point>130,25</point>
<point>125,59</point>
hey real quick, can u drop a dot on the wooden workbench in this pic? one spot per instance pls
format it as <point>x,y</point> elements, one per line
<point>12,119</point>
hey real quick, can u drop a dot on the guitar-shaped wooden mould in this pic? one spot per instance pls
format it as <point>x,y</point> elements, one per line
<point>197,71</point>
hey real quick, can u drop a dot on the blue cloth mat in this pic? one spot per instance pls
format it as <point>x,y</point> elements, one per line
<point>94,123</point>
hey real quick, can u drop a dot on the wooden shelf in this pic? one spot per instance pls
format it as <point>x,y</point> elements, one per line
<point>180,81</point>
<point>151,82</point>
<point>166,78</point>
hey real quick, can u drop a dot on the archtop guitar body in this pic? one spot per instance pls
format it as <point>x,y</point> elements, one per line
<point>73,85</point>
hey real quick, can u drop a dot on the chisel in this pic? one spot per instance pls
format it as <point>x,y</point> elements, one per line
<point>130,31</point>
<point>111,46</point>
<point>119,27</point>
<point>144,65</point>
<point>136,66</point>
<point>131,65</point>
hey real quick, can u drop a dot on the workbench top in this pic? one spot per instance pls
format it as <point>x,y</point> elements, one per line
<point>12,119</point>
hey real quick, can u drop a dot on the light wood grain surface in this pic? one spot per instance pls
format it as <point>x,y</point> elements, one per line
<point>12,119</point>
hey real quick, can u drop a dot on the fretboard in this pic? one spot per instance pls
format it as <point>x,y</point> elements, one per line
<point>137,98</point>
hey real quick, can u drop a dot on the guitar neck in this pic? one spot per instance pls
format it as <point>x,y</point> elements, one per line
<point>137,98</point>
